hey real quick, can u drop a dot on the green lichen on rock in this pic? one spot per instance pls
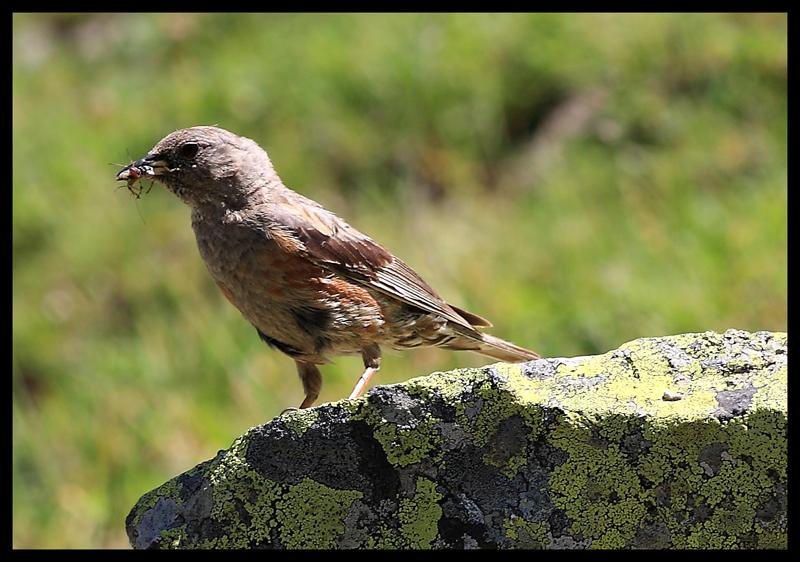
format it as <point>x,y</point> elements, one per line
<point>449,385</point>
<point>406,440</point>
<point>420,515</point>
<point>416,523</point>
<point>526,534</point>
<point>720,475</point>
<point>311,515</point>
<point>300,420</point>
<point>243,500</point>
<point>597,488</point>
<point>674,442</point>
<point>498,405</point>
<point>404,445</point>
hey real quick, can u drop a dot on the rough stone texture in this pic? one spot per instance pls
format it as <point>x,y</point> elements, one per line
<point>673,442</point>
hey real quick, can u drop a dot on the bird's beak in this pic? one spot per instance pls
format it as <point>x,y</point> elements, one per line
<point>149,166</point>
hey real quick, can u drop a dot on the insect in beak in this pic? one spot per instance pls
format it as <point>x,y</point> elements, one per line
<point>133,173</point>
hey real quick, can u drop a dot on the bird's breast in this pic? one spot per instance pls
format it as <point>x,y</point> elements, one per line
<point>254,272</point>
<point>286,296</point>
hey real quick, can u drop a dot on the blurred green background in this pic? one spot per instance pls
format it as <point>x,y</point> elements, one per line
<point>580,180</point>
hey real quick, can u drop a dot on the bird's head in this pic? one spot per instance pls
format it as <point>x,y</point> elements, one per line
<point>204,165</point>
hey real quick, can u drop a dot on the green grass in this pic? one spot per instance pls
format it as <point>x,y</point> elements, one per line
<point>662,211</point>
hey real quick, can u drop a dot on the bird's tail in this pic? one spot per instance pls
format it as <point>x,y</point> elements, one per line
<point>504,351</point>
<point>490,346</point>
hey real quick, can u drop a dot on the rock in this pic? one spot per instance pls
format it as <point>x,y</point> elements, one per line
<point>556,453</point>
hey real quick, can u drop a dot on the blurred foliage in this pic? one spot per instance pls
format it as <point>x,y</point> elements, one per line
<point>581,180</point>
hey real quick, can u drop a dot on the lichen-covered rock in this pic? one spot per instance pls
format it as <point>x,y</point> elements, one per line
<point>673,442</point>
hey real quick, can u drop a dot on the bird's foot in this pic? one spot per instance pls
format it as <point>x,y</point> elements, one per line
<point>363,381</point>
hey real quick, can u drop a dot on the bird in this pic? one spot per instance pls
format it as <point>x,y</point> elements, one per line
<point>313,286</point>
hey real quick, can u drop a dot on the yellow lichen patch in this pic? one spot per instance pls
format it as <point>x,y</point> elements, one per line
<point>638,378</point>
<point>449,385</point>
<point>526,390</point>
<point>605,385</point>
<point>772,390</point>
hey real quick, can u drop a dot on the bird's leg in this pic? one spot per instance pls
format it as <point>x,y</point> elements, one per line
<point>372,362</point>
<point>312,382</point>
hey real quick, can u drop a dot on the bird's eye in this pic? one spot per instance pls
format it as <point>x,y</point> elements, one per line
<point>188,150</point>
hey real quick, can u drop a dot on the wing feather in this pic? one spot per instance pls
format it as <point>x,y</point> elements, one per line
<point>330,242</point>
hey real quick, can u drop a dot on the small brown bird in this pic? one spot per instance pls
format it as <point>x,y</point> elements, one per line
<point>312,285</point>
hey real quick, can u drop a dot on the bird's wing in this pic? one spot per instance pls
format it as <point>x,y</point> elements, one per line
<point>330,242</point>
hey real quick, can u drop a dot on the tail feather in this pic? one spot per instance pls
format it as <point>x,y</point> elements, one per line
<point>504,351</point>
<point>490,346</point>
